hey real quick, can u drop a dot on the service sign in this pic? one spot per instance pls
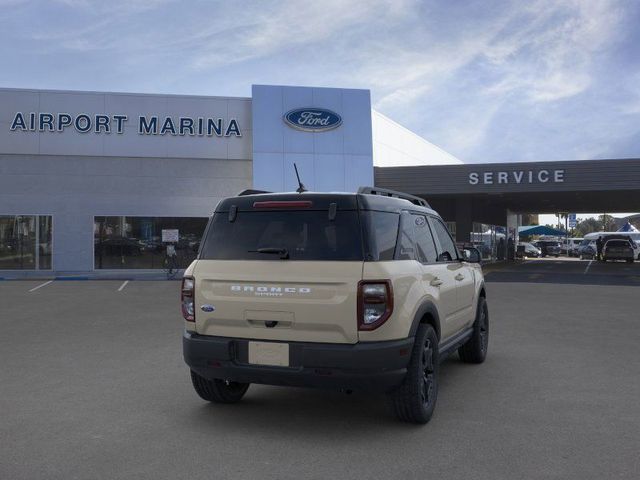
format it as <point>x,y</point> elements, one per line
<point>312,119</point>
<point>517,177</point>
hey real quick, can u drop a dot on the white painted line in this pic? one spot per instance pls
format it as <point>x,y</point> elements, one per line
<point>40,286</point>
<point>588,266</point>
<point>123,285</point>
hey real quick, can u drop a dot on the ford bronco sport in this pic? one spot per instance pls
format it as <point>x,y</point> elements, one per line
<point>363,291</point>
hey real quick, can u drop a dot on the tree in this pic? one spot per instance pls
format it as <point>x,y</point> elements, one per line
<point>607,221</point>
<point>588,225</point>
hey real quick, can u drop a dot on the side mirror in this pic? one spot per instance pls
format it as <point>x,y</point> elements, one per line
<point>471,255</point>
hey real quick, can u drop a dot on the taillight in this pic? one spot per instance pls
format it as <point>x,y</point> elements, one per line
<point>187,300</point>
<point>375,303</point>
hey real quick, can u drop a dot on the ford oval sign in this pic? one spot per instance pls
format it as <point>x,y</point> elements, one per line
<point>312,119</point>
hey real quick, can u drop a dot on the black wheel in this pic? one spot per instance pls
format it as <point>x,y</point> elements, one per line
<point>218,391</point>
<point>629,260</point>
<point>475,350</point>
<point>415,400</point>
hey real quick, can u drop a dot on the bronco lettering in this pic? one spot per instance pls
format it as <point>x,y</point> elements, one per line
<point>262,289</point>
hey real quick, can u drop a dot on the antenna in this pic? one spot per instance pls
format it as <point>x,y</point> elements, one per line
<point>301,188</point>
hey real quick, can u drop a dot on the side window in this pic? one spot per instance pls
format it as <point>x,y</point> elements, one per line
<point>447,251</point>
<point>406,240</point>
<point>426,248</point>
<point>383,228</point>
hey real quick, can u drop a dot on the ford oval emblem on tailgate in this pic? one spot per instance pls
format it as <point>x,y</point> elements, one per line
<point>207,308</point>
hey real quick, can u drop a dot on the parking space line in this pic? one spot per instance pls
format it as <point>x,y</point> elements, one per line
<point>40,286</point>
<point>123,285</point>
<point>588,266</point>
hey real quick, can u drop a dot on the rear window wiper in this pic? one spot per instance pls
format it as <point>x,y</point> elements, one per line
<point>283,252</point>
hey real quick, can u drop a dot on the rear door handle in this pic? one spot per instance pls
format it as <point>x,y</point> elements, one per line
<point>459,277</point>
<point>436,282</point>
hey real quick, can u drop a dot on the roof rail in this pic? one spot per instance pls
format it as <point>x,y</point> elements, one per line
<point>250,191</point>
<point>384,192</point>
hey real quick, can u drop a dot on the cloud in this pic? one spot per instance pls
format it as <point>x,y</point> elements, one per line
<point>287,25</point>
<point>549,59</point>
<point>494,80</point>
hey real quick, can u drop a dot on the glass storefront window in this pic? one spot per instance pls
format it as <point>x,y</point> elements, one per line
<point>136,242</point>
<point>25,242</point>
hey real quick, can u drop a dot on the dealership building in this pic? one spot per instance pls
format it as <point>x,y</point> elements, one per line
<point>93,182</point>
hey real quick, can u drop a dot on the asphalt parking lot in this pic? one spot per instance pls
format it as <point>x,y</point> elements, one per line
<point>94,387</point>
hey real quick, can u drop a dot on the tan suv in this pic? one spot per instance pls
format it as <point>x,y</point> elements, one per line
<point>363,291</point>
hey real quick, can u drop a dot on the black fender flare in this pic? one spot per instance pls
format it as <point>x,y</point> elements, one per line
<point>428,307</point>
<point>482,289</point>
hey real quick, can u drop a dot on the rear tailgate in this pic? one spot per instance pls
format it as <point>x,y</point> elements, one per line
<point>281,267</point>
<point>302,301</point>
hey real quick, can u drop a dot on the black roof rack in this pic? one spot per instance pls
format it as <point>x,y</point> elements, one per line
<point>250,191</point>
<point>392,193</point>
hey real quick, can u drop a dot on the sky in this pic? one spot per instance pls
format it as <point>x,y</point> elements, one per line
<point>487,81</point>
<point>548,219</point>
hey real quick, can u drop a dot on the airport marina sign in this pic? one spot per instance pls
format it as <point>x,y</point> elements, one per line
<point>116,123</point>
<point>516,177</point>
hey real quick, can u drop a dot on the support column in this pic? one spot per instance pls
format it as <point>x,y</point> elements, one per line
<point>464,220</point>
<point>513,223</point>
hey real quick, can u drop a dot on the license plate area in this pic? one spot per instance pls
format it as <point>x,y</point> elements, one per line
<point>269,353</point>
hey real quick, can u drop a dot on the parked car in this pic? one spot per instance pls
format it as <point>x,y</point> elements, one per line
<point>587,249</point>
<point>530,250</point>
<point>574,244</point>
<point>633,236</point>
<point>570,246</point>
<point>548,247</point>
<point>618,250</point>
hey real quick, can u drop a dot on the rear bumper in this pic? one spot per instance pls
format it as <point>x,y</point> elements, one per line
<point>619,256</point>
<point>370,366</point>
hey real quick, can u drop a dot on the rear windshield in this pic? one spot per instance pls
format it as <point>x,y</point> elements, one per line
<point>304,235</point>
<point>618,243</point>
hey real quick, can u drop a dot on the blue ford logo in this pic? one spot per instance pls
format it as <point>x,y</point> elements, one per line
<point>312,119</point>
<point>207,308</point>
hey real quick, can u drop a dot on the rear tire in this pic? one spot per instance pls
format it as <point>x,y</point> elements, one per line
<point>475,350</point>
<point>415,399</point>
<point>218,391</point>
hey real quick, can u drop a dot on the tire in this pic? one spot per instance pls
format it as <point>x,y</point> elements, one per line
<point>629,260</point>
<point>415,399</point>
<point>475,350</point>
<point>218,391</point>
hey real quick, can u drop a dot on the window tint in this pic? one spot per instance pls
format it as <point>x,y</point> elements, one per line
<point>305,235</point>
<point>383,233</point>
<point>618,243</point>
<point>407,241</point>
<point>426,248</point>
<point>447,250</point>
